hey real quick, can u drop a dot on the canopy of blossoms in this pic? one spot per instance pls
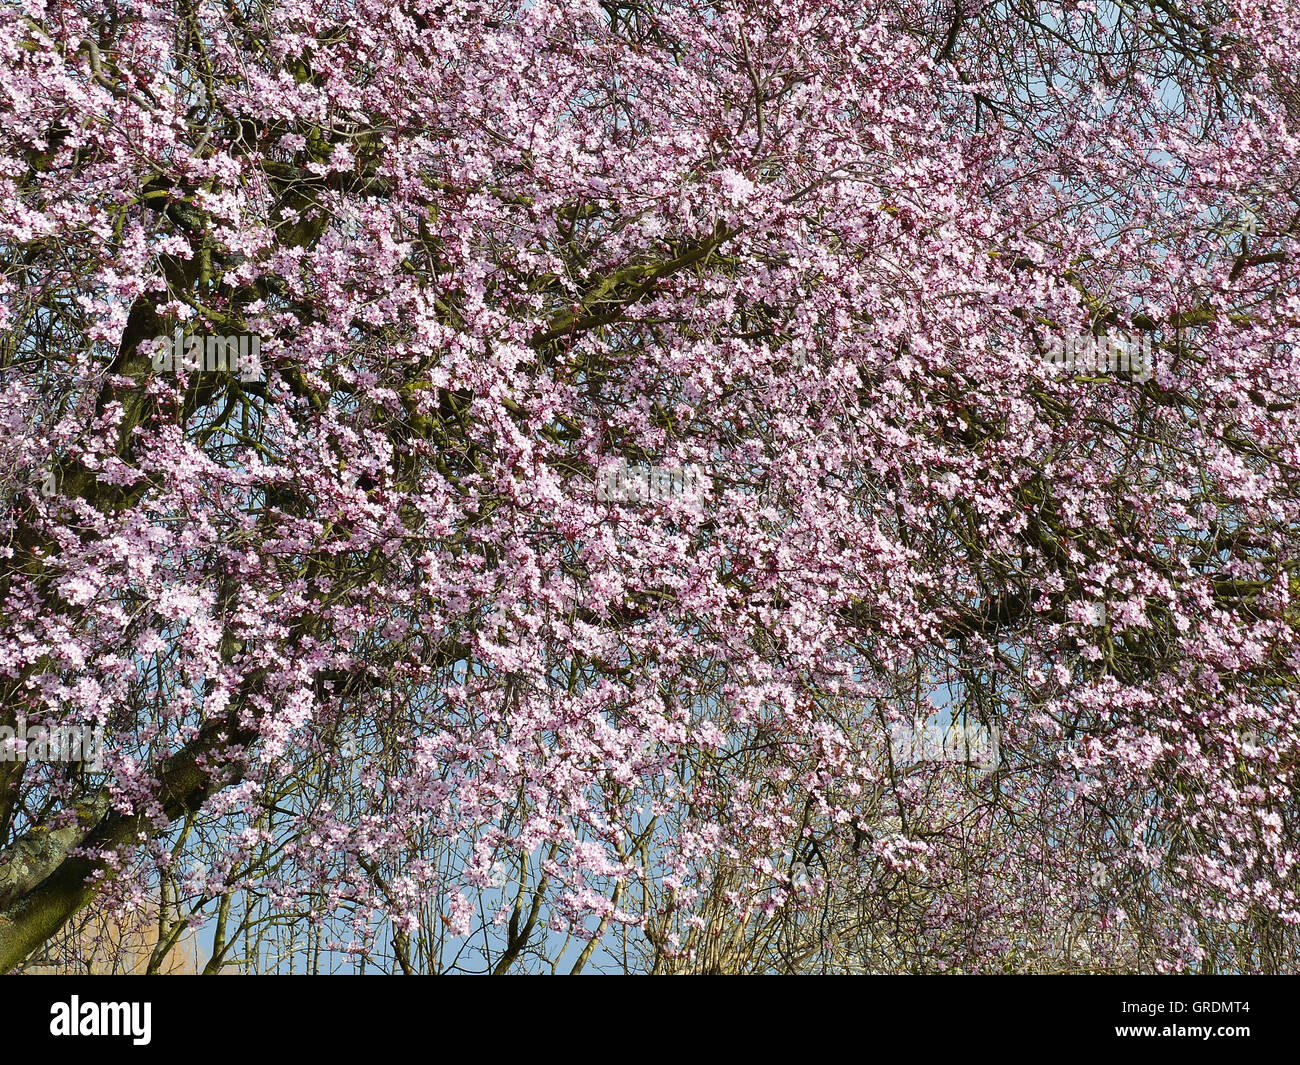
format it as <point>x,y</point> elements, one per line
<point>373,636</point>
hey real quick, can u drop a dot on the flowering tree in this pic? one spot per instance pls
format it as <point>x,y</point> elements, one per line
<point>383,670</point>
